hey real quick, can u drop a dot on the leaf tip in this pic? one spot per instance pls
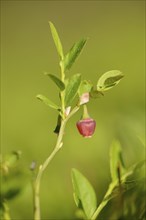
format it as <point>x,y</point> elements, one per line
<point>50,23</point>
<point>40,97</point>
<point>86,39</point>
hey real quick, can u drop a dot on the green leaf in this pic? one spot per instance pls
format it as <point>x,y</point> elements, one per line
<point>48,102</point>
<point>135,170</point>
<point>56,40</point>
<point>116,161</point>
<point>85,87</point>
<point>80,214</point>
<point>109,80</point>
<point>84,194</point>
<point>72,89</point>
<point>12,175</point>
<point>95,94</point>
<point>57,81</point>
<point>13,183</point>
<point>4,211</point>
<point>11,159</point>
<point>72,55</point>
<point>129,180</point>
<point>142,139</point>
<point>57,128</point>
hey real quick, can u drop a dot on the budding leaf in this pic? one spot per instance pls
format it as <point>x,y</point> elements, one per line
<point>48,102</point>
<point>57,81</point>
<point>85,87</point>
<point>72,55</point>
<point>109,80</point>
<point>116,161</point>
<point>84,193</point>
<point>72,88</point>
<point>56,40</point>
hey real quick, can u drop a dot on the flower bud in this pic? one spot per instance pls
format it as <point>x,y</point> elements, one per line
<point>67,111</point>
<point>84,98</point>
<point>86,127</point>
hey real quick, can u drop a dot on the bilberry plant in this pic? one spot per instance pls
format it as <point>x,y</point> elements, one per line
<point>126,189</point>
<point>70,89</point>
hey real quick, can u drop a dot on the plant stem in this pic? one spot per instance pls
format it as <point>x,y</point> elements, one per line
<point>85,112</point>
<point>104,201</point>
<point>107,196</point>
<point>36,185</point>
<point>99,208</point>
<point>62,93</point>
<point>6,214</point>
<point>41,170</point>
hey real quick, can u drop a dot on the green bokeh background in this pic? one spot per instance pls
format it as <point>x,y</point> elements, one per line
<point>116,41</point>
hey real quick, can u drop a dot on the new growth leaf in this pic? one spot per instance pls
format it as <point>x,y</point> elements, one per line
<point>56,39</point>
<point>48,102</point>
<point>72,89</point>
<point>72,55</point>
<point>57,81</point>
<point>109,80</point>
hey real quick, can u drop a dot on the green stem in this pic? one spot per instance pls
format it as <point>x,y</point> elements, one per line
<point>62,93</point>
<point>107,196</point>
<point>85,112</point>
<point>104,201</point>
<point>58,146</point>
<point>6,214</point>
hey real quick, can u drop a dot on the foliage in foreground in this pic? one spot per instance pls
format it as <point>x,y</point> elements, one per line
<point>124,198</point>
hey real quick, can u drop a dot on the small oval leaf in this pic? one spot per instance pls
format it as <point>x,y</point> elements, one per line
<point>109,80</point>
<point>56,40</point>
<point>57,81</point>
<point>48,102</point>
<point>72,55</point>
<point>84,193</point>
<point>72,89</point>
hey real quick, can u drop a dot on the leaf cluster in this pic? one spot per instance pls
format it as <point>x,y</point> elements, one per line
<point>74,86</point>
<point>126,185</point>
<point>13,179</point>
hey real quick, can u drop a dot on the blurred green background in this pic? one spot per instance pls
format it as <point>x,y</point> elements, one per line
<point>116,41</point>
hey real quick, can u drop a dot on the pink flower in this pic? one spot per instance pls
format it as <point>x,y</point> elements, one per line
<point>86,127</point>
